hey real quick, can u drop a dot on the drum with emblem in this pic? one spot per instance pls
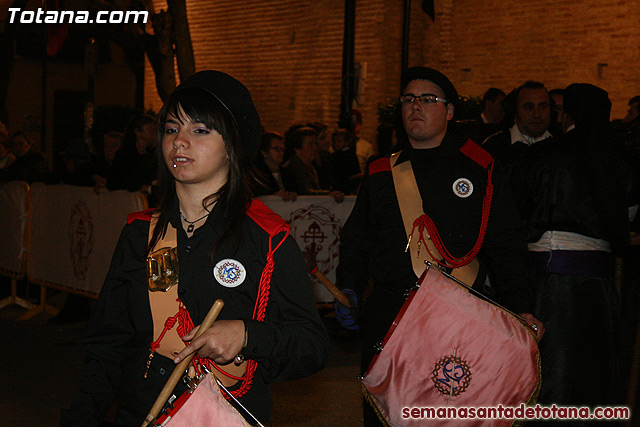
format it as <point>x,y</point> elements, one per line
<point>449,348</point>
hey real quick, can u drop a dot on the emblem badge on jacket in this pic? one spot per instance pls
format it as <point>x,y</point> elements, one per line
<point>229,273</point>
<point>462,187</point>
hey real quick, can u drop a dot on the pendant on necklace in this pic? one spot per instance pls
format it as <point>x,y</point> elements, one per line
<point>190,228</point>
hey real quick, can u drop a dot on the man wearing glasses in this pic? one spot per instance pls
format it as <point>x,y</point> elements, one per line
<point>452,177</point>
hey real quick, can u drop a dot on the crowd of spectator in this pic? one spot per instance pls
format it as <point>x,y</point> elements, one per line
<point>309,158</point>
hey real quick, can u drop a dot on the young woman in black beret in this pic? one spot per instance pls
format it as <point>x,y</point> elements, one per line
<point>227,246</point>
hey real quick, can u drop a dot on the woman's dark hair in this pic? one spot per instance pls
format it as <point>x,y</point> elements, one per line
<point>200,106</point>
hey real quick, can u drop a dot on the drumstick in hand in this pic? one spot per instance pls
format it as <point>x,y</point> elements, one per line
<point>312,268</point>
<point>178,371</point>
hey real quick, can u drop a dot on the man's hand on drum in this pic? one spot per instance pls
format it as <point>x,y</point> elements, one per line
<point>534,324</point>
<point>221,343</point>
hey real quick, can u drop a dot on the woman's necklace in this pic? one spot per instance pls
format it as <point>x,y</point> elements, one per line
<point>190,227</point>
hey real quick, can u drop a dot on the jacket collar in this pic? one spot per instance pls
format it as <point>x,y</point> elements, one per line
<point>446,148</point>
<point>215,219</point>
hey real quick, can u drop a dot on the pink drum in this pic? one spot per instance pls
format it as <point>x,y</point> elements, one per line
<point>448,348</point>
<point>203,406</point>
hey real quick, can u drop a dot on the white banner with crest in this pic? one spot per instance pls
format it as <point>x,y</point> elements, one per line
<point>316,223</point>
<point>74,233</point>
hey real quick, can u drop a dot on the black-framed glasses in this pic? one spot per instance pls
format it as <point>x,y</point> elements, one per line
<point>425,99</point>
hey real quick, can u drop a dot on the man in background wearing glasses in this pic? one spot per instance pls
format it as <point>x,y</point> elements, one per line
<point>452,175</point>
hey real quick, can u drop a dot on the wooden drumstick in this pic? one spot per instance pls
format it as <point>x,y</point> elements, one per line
<point>312,268</point>
<point>178,371</point>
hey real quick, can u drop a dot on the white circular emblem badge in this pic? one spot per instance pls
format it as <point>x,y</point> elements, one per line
<point>462,187</point>
<point>229,273</point>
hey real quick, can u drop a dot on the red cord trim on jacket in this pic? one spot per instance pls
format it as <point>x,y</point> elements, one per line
<point>425,222</point>
<point>168,324</point>
<point>273,225</point>
<point>380,165</point>
<point>142,215</point>
<point>267,219</point>
<point>476,153</point>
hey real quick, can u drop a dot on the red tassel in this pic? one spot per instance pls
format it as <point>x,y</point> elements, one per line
<point>185,323</point>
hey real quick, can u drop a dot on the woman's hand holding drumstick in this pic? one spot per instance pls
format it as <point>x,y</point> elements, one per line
<point>182,366</point>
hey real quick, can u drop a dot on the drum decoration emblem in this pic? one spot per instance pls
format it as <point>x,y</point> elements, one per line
<point>462,187</point>
<point>229,273</point>
<point>451,376</point>
<point>80,235</point>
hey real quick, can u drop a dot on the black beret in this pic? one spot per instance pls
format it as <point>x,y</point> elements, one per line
<point>434,76</point>
<point>235,97</point>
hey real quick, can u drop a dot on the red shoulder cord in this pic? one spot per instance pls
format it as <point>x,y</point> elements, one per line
<point>425,221</point>
<point>185,324</point>
<point>259,313</point>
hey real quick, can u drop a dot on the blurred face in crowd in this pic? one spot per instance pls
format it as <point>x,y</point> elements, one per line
<point>494,111</point>
<point>275,154</point>
<point>20,145</point>
<point>533,114</point>
<point>147,134</point>
<point>4,145</point>
<point>322,141</point>
<point>558,108</point>
<point>309,149</point>
<point>565,122</point>
<point>632,113</point>
<point>339,143</point>
<point>111,146</point>
<point>426,124</point>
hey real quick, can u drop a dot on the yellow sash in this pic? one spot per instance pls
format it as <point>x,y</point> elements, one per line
<point>410,203</point>
<point>165,305</point>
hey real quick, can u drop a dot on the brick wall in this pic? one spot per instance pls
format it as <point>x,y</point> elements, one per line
<point>289,53</point>
<point>504,43</point>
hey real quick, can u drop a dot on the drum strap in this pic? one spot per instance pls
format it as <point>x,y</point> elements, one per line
<point>410,202</point>
<point>165,305</point>
<point>171,319</point>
